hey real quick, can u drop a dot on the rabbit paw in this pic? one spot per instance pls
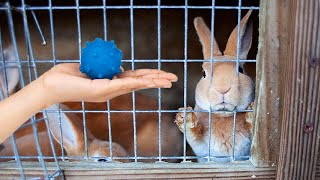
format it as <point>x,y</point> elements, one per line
<point>250,115</point>
<point>250,106</point>
<point>190,119</point>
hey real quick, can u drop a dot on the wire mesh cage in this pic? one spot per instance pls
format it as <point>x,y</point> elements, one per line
<point>141,126</point>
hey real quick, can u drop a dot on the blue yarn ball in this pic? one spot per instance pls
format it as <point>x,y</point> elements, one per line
<point>100,59</point>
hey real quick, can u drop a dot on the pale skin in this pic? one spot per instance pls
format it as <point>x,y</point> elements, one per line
<point>65,83</point>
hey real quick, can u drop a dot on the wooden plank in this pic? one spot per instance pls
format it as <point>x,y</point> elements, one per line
<point>273,38</point>
<point>91,170</point>
<point>299,144</point>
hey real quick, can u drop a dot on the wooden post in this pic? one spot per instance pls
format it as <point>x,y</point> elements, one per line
<point>273,45</point>
<point>300,130</point>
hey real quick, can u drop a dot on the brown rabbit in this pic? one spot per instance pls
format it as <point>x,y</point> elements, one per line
<point>222,91</point>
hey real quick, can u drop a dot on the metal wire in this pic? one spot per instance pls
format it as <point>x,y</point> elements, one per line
<point>133,93</point>
<point>52,33</point>
<point>38,26</point>
<point>185,76</point>
<point>237,72</point>
<point>140,60</point>
<point>159,89</point>
<point>105,34</point>
<point>211,75</point>
<point>141,111</point>
<point>132,7</point>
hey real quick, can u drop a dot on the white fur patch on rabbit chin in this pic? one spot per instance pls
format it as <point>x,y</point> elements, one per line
<point>223,107</point>
<point>224,110</point>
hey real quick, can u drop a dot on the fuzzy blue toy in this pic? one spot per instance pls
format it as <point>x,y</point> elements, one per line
<point>100,59</point>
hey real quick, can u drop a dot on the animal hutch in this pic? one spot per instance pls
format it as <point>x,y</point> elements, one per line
<point>283,62</point>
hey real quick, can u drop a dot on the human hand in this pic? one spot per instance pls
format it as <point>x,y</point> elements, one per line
<point>65,83</point>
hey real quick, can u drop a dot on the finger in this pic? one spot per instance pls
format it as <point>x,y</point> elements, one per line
<point>139,72</point>
<point>131,84</point>
<point>149,73</point>
<point>122,69</point>
<point>169,76</point>
<point>139,85</point>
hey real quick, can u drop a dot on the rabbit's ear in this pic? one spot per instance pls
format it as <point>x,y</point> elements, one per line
<point>72,129</point>
<point>9,77</point>
<point>204,34</point>
<point>245,38</point>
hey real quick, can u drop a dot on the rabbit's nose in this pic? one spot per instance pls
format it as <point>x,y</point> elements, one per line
<point>223,90</point>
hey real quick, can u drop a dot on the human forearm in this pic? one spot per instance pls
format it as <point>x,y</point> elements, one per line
<point>18,108</point>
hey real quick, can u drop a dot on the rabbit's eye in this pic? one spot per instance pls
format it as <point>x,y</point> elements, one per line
<point>240,69</point>
<point>204,74</point>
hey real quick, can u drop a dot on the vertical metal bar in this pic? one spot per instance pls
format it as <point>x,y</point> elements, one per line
<point>82,103</point>
<point>14,42</point>
<point>238,36</point>
<point>31,57</point>
<point>85,130</point>
<point>211,74</point>
<point>133,93</point>
<point>104,20</point>
<point>61,135</point>
<point>52,33</point>
<point>159,89</point>
<point>237,72</point>
<point>185,78</point>
<point>105,33</point>
<point>234,134</point>
<point>110,130</point>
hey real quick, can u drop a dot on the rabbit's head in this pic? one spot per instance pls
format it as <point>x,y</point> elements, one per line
<point>221,88</point>
<point>9,74</point>
<point>73,137</point>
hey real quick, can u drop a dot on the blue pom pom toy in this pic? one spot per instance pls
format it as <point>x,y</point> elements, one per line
<point>100,59</point>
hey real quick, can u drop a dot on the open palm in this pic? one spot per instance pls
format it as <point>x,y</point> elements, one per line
<point>65,82</point>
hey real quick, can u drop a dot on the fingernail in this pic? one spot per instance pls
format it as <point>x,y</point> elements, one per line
<point>174,80</point>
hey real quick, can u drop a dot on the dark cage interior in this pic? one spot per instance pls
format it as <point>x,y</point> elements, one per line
<point>177,45</point>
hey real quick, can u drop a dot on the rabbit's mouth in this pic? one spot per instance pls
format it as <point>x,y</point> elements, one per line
<point>223,107</point>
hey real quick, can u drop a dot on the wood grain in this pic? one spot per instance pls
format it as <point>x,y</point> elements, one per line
<point>299,148</point>
<point>273,41</point>
<point>91,170</point>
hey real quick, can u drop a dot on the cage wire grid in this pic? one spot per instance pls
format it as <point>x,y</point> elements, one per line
<point>6,9</point>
